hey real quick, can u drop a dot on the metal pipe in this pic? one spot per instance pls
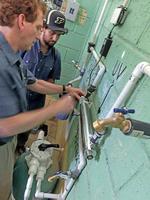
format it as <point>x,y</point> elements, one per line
<point>79,168</point>
<point>86,126</point>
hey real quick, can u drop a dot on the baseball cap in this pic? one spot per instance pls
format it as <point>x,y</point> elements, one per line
<point>55,20</point>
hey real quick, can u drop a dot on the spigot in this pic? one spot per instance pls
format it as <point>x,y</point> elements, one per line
<point>116,121</point>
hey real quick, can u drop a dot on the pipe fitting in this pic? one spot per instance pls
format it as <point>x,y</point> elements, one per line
<point>116,121</point>
<point>140,69</point>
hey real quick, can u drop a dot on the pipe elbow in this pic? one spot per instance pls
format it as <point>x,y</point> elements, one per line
<point>39,194</point>
<point>141,68</point>
<point>146,68</point>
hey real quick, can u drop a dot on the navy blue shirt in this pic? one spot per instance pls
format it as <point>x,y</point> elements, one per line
<point>13,81</point>
<point>43,66</point>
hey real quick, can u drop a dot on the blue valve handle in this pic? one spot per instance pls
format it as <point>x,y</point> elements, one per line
<point>124,110</point>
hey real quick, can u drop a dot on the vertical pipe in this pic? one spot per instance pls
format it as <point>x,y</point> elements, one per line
<point>95,33</point>
<point>102,68</point>
<point>82,163</point>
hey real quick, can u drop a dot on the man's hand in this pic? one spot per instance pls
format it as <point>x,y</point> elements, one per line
<point>75,92</point>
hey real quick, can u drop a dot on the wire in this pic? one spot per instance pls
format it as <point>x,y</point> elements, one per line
<point>90,76</point>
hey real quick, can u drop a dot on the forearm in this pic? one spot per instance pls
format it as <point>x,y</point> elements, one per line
<point>27,120</point>
<point>44,87</point>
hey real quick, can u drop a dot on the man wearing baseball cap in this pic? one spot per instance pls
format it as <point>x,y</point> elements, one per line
<point>44,61</point>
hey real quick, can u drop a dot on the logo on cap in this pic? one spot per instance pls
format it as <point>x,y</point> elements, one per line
<point>59,20</point>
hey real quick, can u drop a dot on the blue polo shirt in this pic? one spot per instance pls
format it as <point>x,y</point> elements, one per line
<point>13,80</point>
<point>43,66</point>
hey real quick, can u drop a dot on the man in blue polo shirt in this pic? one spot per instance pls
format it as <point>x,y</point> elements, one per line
<point>44,61</point>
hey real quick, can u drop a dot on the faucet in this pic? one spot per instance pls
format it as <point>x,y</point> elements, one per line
<point>116,121</point>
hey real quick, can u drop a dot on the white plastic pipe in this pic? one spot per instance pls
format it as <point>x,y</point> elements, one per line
<point>125,3</point>
<point>43,195</point>
<point>95,32</point>
<point>68,182</point>
<point>141,69</point>
<point>75,80</point>
<point>41,135</point>
<point>28,187</point>
<point>97,28</point>
<point>34,164</point>
<point>102,68</point>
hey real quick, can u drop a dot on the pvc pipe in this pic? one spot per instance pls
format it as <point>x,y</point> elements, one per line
<point>95,35</point>
<point>41,135</point>
<point>101,67</point>
<point>99,22</point>
<point>70,181</point>
<point>75,80</point>
<point>43,195</point>
<point>140,69</point>
<point>125,3</point>
<point>28,187</point>
<point>33,166</point>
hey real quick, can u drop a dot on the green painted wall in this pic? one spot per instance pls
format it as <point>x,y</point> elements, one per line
<point>120,169</point>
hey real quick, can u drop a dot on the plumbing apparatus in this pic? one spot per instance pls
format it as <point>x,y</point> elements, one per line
<point>141,69</point>
<point>87,129</point>
<point>38,161</point>
<point>69,176</point>
<point>102,70</point>
<point>128,126</point>
<point>116,121</point>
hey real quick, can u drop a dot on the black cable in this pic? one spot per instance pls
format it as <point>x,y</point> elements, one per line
<point>93,69</point>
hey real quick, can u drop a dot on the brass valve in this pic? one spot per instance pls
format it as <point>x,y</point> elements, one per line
<point>116,121</point>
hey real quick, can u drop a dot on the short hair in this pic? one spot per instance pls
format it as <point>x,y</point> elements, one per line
<point>9,9</point>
